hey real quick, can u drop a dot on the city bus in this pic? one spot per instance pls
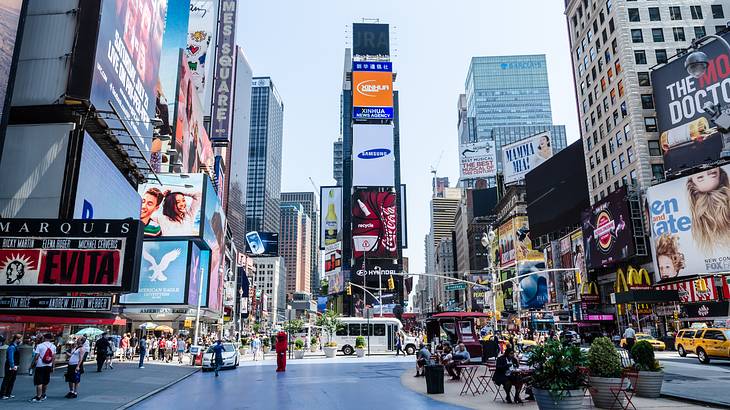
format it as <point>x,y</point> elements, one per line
<point>381,336</point>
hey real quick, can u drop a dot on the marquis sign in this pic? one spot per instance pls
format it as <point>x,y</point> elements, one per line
<point>82,303</point>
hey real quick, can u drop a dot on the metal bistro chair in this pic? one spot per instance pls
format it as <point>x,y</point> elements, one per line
<point>629,380</point>
<point>484,381</point>
<point>492,367</point>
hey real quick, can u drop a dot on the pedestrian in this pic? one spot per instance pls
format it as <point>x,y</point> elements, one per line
<point>169,349</point>
<point>180,349</point>
<point>102,349</point>
<point>161,348</point>
<point>218,356</point>
<point>133,343</point>
<point>630,336</point>
<point>152,345</point>
<point>12,359</point>
<point>43,359</point>
<point>255,346</point>
<point>142,351</point>
<point>399,345</point>
<point>124,347</point>
<point>74,370</point>
<point>281,346</point>
<point>110,352</point>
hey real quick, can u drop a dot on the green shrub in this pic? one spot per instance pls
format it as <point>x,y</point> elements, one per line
<point>313,340</point>
<point>643,354</point>
<point>603,359</point>
<point>557,368</point>
<point>360,342</point>
<point>298,344</point>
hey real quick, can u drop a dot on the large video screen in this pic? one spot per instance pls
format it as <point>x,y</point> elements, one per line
<point>262,243</point>
<point>374,223</point>
<point>172,208</point>
<point>163,274</point>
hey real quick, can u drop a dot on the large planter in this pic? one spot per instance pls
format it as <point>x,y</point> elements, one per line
<point>329,351</point>
<point>241,351</point>
<point>360,352</point>
<point>601,393</point>
<point>266,349</point>
<point>568,400</point>
<point>649,384</point>
<point>299,354</point>
<point>313,348</point>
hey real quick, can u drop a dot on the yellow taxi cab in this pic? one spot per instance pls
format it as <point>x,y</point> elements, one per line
<point>656,344</point>
<point>705,343</point>
<point>684,342</point>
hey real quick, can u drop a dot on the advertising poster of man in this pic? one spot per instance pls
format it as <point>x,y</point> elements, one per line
<point>579,257</point>
<point>163,274</point>
<point>173,208</point>
<point>690,224</point>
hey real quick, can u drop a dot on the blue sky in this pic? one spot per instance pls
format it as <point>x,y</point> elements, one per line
<point>300,44</point>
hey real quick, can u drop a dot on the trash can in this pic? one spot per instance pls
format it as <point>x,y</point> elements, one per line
<point>435,379</point>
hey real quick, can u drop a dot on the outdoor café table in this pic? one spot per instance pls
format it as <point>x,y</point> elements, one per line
<point>467,373</point>
<point>524,373</point>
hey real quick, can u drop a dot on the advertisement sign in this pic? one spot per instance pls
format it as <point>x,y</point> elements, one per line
<point>607,231</point>
<point>579,260</point>
<point>74,255</point>
<point>222,109</point>
<point>333,258</point>
<point>172,208</point>
<point>163,274</point>
<point>200,41</point>
<point>84,303</point>
<point>335,282</point>
<point>199,270</point>
<point>506,235</point>
<point>374,223</point>
<point>370,40</point>
<point>515,243</point>
<point>174,39</point>
<point>689,291</point>
<point>12,12</point>
<point>117,200</point>
<point>191,139</point>
<point>690,224</point>
<point>374,273</point>
<point>688,134</point>
<point>534,293</point>
<point>262,243</point>
<point>330,208</point>
<point>707,310</point>
<point>214,236</point>
<point>127,60</point>
<point>372,94</point>
<point>478,160</point>
<point>522,156</point>
<point>373,158</point>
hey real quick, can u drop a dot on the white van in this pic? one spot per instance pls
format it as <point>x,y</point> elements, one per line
<point>381,336</point>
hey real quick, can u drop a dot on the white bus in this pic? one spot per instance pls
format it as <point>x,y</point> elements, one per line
<point>382,335</point>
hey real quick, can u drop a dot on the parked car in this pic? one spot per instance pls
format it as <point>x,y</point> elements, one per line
<point>709,343</point>
<point>656,344</point>
<point>230,357</point>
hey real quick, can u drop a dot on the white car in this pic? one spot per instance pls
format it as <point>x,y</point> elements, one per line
<point>230,357</point>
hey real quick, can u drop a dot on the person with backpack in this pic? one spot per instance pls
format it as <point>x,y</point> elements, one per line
<point>102,348</point>
<point>44,356</point>
<point>11,368</point>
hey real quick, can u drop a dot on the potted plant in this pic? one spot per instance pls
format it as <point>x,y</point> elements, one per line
<point>557,381</point>
<point>329,322</point>
<point>313,344</point>
<point>267,345</point>
<point>360,346</point>
<point>243,346</point>
<point>299,349</point>
<point>604,366</point>
<point>651,375</point>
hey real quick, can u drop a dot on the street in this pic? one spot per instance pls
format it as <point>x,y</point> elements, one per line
<point>686,377</point>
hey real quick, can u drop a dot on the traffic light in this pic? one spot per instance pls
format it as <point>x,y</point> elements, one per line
<point>349,289</point>
<point>701,285</point>
<point>391,283</point>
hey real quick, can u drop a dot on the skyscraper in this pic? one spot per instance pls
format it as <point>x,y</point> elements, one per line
<point>294,246</point>
<point>264,157</point>
<point>308,201</point>
<point>337,161</point>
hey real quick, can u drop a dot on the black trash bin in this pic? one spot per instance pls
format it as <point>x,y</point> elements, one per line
<point>435,379</point>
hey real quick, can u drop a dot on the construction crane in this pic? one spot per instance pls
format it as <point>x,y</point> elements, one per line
<point>434,168</point>
<point>316,193</point>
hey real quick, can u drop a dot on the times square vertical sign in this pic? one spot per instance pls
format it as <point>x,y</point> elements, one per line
<point>222,104</point>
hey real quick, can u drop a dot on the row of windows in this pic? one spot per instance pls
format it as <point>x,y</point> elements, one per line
<point>657,34</point>
<point>675,13</point>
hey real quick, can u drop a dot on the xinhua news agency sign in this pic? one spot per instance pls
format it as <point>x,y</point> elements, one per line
<point>222,107</point>
<point>372,90</point>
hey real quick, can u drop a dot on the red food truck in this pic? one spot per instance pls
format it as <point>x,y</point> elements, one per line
<point>455,327</point>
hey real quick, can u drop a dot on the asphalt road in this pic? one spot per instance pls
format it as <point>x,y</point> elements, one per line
<point>687,378</point>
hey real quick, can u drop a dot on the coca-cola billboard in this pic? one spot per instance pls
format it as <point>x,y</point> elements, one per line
<point>374,223</point>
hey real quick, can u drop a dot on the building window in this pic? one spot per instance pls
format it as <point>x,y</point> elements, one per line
<point>675,13</point>
<point>623,109</point>
<point>619,142</point>
<point>700,31</point>
<point>632,174</point>
<point>614,167</point>
<point>637,36</point>
<point>654,14</point>
<point>650,124</point>
<point>657,35</point>
<point>593,182</point>
<point>600,177</point>
<point>634,15</point>
<point>621,88</point>
<point>661,56</point>
<point>654,149</point>
<point>719,29</point>
<point>644,79</point>
<point>630,154</point>
<point>696,12</point>
<point>611,146</point>
<point>657,172</point>
<point>678,34</point>
<point>640,56</point>
<point>621,161</point>
<point>647,101</point>
<point>611,26</point>
<point>618,67</point>
<point>717,12</point>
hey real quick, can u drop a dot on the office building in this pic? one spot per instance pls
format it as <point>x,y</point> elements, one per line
<point>295,246</point>
<point>264,157</point>
<point>270,277</point>
<point>309,202</point>
<point>614,45</point>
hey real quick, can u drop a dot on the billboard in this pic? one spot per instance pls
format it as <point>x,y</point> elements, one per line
<point>128,51</point>
<point>522,156</point>
<point>172,207</point>
<point>222,109</point>
<point>191,139</point>
<point>506,235</point>
<point>478,159</point>
<point>689,291</point>
<point>117,200</point>
<point>373,157</point>
<point>201,42</point>
<point>372,91</point>
<point>370,40</point>
<point>73,255</point>
<point>174,39</point>
<point>214,229</point>
<point>688,136</point>
<point>199,271</point>
<point>333,258</point>
<point>607,232</point>
<point>534,293</point>
<point>163,274</point>
<point>374,223</point>
<point>578,254</point>
<point>262,243</point>
<point>330,217</point>
<point>690,224</point>
<point>12,12</point>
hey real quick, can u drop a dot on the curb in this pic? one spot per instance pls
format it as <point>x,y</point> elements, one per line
<point>683,399</point>
<point>153,392</point>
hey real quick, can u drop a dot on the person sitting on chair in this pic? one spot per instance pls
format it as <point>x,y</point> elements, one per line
<point>422,359</point>
<point>461,355</point>
<point>503,375</point>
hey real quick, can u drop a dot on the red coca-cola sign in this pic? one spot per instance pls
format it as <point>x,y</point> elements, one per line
<point>374,223</point>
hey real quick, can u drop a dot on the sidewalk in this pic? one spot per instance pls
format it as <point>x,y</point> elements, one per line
<point>319,358</point>
<point>110,389</point>
<point>484,401</point>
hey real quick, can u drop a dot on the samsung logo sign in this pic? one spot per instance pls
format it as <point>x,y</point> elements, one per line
<point>374,153</point>
<point>522,65</point>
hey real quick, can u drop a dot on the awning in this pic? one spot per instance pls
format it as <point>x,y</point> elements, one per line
<point>645,296</point>
<point>63,320</point>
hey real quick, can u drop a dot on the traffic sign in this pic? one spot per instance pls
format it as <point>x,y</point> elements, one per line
<point>456,286</point>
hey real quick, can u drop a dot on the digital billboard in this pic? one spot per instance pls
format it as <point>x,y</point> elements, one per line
<point>373,156</point>
<point>579,259</point>
<point>73,255</point>
<point>127,62</point>
<point>506,235</point>
<point>163,274</point>
<point>372,91</point>
<point>222,108</point>
<point>262,243</point>
<point>370,40</point>
<point>333,258</point>
<point>214,230</point>
<point>11,24</point>
<point>374,223</point>
<point>172,207</point>
<point>478,159</point>
<point>174,39</point>
<point>607,231</point>
<point>191,139</point>
<point>688,134</point>
<point>330,218</point>
<point>690,224</point>
<point>522,156</point>
<point>534,293</point>
<point>118,199</point>
<point>201,41</point>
